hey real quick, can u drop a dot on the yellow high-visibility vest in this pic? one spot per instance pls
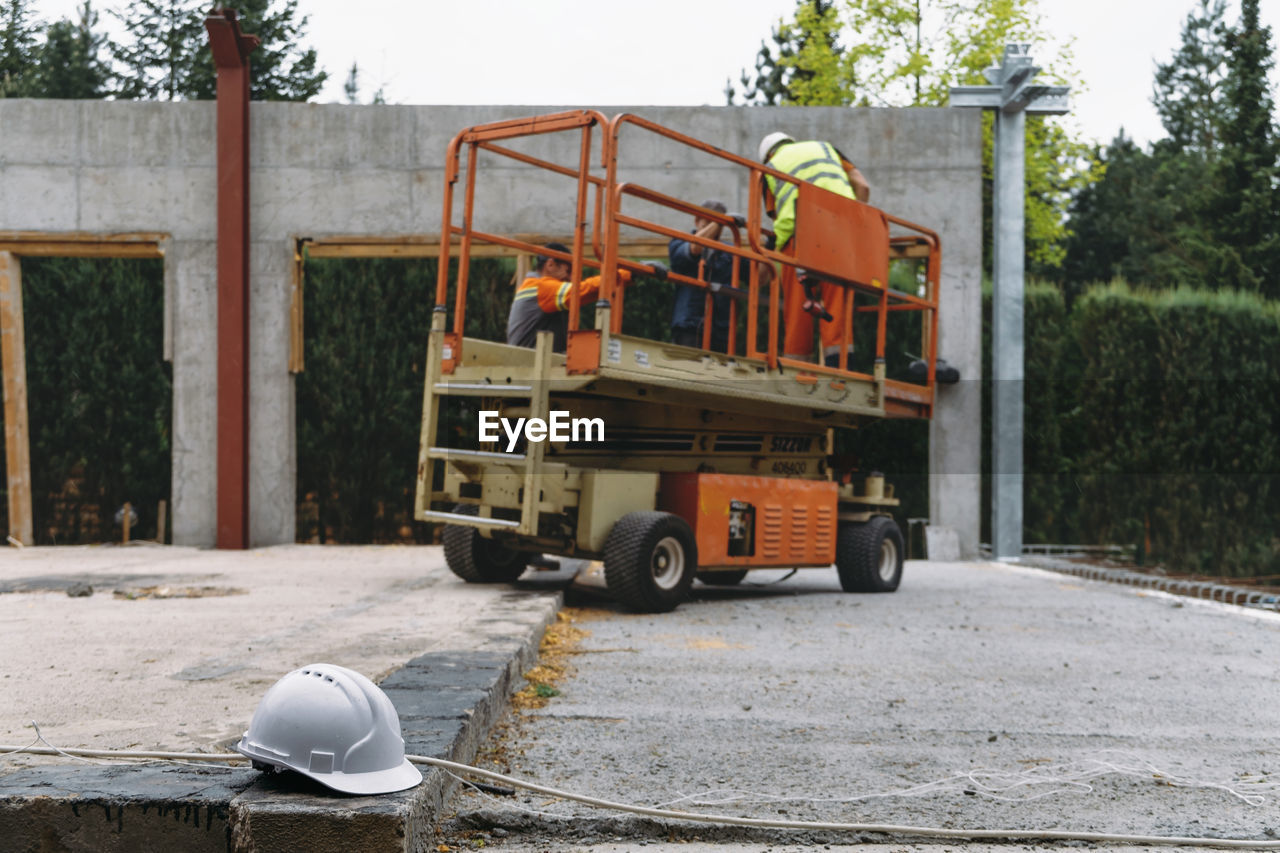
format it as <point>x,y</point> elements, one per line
<point>815,162</point>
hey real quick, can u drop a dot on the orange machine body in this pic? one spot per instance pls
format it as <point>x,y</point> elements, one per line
<point>754,521</point>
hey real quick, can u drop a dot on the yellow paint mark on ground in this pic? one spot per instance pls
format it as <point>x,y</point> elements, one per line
<point>711,643</point>
<point>684,641</point>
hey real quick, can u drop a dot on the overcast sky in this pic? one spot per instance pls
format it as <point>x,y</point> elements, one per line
<point>601,53</point>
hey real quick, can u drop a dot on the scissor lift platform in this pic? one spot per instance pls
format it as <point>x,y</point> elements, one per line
<point>649,370</point>
<point>712,463</point>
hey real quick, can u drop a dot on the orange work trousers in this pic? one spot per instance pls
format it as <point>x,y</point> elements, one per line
<point>798,340</point>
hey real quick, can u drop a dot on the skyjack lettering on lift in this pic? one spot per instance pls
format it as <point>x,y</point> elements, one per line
<point>560,427</point>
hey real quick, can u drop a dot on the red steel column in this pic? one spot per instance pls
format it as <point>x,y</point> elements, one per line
<point>231,51</point>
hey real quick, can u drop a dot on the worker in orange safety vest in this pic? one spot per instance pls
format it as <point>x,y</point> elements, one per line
<point>541,302</point>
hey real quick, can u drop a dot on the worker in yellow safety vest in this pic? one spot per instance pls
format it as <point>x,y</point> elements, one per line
<point>822,165</point>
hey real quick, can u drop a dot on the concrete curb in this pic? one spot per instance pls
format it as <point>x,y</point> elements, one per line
<point>448,703</point>
<point>1208,590</point>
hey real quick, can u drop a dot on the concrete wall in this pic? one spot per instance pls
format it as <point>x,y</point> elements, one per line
<point>325,170</point>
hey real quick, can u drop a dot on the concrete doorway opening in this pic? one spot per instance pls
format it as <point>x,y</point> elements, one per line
<point>362,314</point>
<point>89,391</point>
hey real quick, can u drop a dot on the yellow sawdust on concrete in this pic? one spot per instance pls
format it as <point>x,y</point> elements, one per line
<point>559,642</point>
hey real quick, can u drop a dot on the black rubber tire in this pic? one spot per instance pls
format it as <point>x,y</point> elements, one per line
<point>722,578</point>
<point>476,559</point>
<point>639,553</point>
<point>861,550</point>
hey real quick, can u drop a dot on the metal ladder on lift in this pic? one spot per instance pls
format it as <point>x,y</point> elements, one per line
<point>539,396</point>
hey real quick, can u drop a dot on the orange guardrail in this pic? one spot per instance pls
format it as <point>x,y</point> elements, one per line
<point>845,242</point>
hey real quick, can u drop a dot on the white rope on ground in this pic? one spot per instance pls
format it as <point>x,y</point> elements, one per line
<point>998,784</point>
<point>212,757</point>
<point>57,751</point>
<point>889,829</point>
<point>723,820</point>
<point>507,804</point>
<point>17,749</point>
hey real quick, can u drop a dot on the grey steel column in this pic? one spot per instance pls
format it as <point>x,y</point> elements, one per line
<point>1007,345</point>
<point>1011,96</point>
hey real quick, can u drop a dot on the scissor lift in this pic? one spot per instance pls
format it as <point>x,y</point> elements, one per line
<point>712,464</point>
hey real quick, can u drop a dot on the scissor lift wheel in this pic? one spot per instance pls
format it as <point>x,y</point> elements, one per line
<point>650,559</point>
<point>869,555</point>
<point>476,559</point>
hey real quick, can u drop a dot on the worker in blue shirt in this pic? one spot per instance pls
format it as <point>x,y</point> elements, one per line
<point>690,302</point>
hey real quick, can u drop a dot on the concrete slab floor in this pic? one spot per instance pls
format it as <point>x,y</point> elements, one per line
<point>175,646</point>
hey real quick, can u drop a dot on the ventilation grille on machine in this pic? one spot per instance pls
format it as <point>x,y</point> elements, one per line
<point>796,532</point>
<point>771,534</point>
<point>799,529</point>
<point>824,530</point>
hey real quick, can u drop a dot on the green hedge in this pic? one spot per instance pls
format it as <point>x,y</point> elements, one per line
<point>1180,427</point>
<point>1151,420</point>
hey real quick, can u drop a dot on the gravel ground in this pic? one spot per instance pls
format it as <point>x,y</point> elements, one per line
<point>797,701</point>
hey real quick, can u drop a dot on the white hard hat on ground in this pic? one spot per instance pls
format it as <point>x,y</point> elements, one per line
<point>333,725</point>
<point>770,142</point>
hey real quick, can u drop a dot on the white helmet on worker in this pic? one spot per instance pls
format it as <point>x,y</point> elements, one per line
<point>771,142</point>
<point>333,725</point>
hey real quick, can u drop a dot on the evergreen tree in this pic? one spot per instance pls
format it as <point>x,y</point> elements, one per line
<point>168,56</point>
<point>159,55</point>
<point>280,69</point>
<point>18,33</point>
<point>1137,223</point>
<point>69,64</point>
<point>1188,88</point>
<point>1201,208</point>
<point>1098,243</point>
<point>351,88</point>
<point>1243,197</point>
<point>803,47</point>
